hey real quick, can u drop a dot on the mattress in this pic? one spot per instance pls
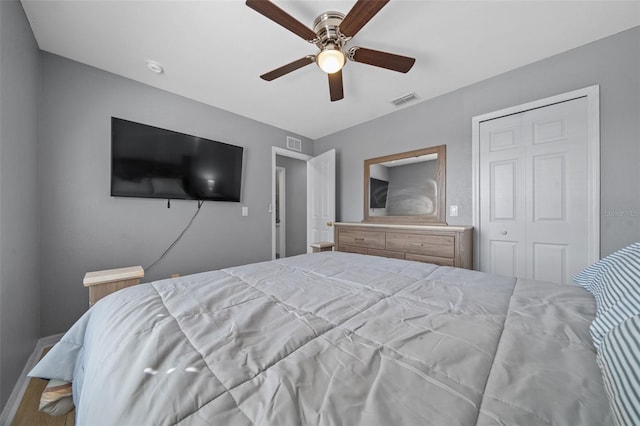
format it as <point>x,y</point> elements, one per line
<point>335,338</point>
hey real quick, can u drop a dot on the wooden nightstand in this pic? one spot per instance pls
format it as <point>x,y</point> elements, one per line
<point>324,246</point>
<point>103,283</point>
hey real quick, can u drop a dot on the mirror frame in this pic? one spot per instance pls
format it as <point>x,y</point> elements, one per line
<point>439,218</point>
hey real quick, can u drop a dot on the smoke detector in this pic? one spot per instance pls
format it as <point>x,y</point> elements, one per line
<point>155,67</point>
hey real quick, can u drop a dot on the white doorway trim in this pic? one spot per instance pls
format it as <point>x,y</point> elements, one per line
<point>592,93</point>
<point>272,208</point>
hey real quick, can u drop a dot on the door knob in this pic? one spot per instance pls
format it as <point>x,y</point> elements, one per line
<point>504,232</point>
<point>330,224</point>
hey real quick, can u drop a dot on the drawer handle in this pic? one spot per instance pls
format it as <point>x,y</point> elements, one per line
<point>417,244</point>
<point>359,239</point>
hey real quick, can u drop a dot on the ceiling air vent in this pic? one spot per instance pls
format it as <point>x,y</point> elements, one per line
<point>405,99</point>
<point>294,144</point>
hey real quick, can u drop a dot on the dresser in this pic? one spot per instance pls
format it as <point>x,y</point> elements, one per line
<point>442,245</point>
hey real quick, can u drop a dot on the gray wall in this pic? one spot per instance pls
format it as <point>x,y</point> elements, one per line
<point>296,204</point>
<point>613,63</point>
<point>19,262</point>
<point>84,229</point>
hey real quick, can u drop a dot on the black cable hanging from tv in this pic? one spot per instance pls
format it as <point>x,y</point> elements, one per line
<point>200,203</point>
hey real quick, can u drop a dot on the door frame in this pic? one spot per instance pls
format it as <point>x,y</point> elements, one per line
<point>592,94</point>
<point>272,207</point>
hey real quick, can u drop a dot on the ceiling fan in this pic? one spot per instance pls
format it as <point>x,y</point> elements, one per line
<point>331,33</point>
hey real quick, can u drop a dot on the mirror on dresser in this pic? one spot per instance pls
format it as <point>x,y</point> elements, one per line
<point>406,188</point>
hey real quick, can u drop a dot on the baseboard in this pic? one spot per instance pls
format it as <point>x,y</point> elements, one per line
<point>11,407</point>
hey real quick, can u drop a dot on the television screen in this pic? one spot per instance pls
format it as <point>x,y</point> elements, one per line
<point>150,162</point>
<point>378,196</point>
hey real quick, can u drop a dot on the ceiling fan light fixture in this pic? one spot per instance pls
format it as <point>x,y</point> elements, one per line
<point>330,34</point>
<point>330,59</point>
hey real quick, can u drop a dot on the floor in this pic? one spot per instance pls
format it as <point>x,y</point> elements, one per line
<point>28,414</point>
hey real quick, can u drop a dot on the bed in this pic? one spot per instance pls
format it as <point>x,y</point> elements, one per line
<point>335,338</point>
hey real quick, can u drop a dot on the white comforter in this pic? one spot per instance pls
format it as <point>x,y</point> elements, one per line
<point>335,339</point>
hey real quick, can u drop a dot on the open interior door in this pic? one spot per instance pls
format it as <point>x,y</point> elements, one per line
<point>321,198</point>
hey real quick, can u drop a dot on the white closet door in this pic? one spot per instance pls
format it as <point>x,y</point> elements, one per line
<point>502,205</point>
<point>534,193</point>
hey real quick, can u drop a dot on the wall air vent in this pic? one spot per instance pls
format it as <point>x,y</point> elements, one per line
<point>405,99</point>
<point>294,144</point>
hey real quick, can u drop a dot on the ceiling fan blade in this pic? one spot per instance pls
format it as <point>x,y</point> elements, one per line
<point>381,59</point>
<point>359,15</point>
<point>335,86</point>
<point>279,16</point>
<point>286,69</point>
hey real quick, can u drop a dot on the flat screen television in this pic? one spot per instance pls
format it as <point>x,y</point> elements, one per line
<point>149,162</point>
<point>378,196</point>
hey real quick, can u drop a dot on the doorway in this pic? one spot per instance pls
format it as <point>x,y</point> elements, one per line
<point>289,202</point>
<point>318,196</point>
<point>281,212</point>
<point>536,187</point>
<point>291,206</point>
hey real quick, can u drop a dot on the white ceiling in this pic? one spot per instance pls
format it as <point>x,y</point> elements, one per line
<point>214,51</point>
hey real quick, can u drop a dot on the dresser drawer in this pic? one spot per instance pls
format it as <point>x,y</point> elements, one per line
<point>441,261</point>
<point>385,253</point>
<point>430,245</point>
<point>362,238</point>
<point>353,249</point>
